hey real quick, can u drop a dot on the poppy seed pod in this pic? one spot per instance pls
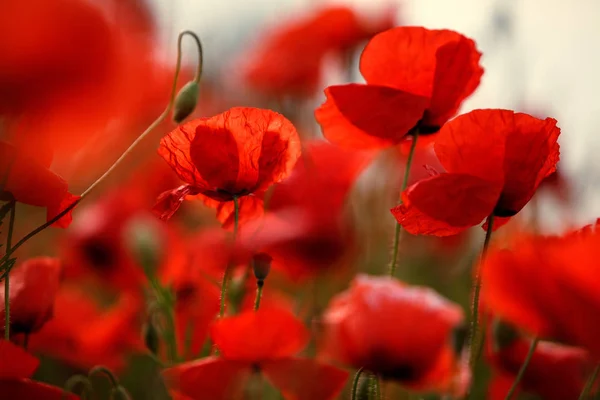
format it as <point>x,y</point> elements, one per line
<point>261,265</point>
<point>185,101</point>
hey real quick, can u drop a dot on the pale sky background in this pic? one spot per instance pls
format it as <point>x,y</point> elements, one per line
<point>540,56</point>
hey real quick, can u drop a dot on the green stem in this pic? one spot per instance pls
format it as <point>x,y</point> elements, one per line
<point>474,334</point>
<point>399,230</point>
<point>153,125</point>
<point>590,383</point>
<point>102,370</point>
<point>236,217</point>
<point>355,383</point>
<point>11,226</point>
<point>528,358</point>
<point>259,288</point>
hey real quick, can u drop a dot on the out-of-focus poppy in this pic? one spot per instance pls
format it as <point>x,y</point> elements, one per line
<point>33,287</point>
<point>29,181</point>
<point>266,341</point>
<point>306,231</point>
<point>274,67</point>
<point>97,245</point>
<point>230,155</point>
<point>555,372</point>
<point>495,160</point>
<point>416,79</point>
<point>398,332</point>
<point>538,284</point>
<point>84,334</point>
<point>16,367</point>
<point>250,208</point>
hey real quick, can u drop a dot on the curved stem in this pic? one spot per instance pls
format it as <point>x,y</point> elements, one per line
<point>236,212</point>
<point>474,336</point>
<point>11,225</point>
<point>355,383</point>
<point>528,358</point>
<point>100,369</point>
<point>259,288</point>
<point>150,128</point>
<point>590,383</point>
<point>72,383</point>
<point>399,230</point>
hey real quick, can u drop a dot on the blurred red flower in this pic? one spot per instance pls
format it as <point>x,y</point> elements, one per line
<point>547,286</point>
<point>398,332</point>
<point>416,79</point>
<point>266,341</point>
<point>33,287</point>
<point>275,67</point>
<point>233,154</point>
<point>495,160</point>
<point>29,181</point>
<point>16,367</point>
<point>555,372</point>
<point>84,334</point>
<point>305,231</point>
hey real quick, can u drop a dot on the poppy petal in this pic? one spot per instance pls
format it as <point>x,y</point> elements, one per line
<point>15,362</point>
<point>305,379</point>
<point>209,378</point>
<point>258,336</point>
<point>532,152</point>
<point>368,116</point>
<point>474,143</point>
<point>175,150</point>
<point>169,202</point>
<point>30,182</point>
<point>28,389</point>
<point>446,204</point>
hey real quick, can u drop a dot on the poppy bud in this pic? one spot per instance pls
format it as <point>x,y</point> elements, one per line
<point>186,101</point>
<point>503,334</point>
<point>145,241</point>
<point>151,337</point>
<point>261,265</point>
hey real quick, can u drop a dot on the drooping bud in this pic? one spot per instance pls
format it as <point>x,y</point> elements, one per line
<point>185,101</point>
<point>261,265</point>
<point>144,238</point>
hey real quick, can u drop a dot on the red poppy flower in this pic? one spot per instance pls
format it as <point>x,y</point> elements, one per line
<point>31,182</point>
<point>416,79</point>
<point>16,366</point>
<point>306,231</point>
<point>399,332</point>
<point>84,334</point>
<point>33,287</point>
<point>555,372</point>
<point>495,160</point>
<point>265,340</point>
<point>98,245</point>
<point>233,154</point>
<point>275,68</point>
<point>538,284</point>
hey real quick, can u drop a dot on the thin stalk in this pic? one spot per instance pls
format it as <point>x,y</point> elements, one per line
<point>474,334</point>
<point>590,383</point>
<point>153,125</point>
<point>259,288</point>
<point>11,226</point>
<point>355,384</point>
<point>399,230</point>
<point>236,217</point>
<point>528,358</point>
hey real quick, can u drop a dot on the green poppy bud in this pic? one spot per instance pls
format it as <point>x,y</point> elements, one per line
<point>185,101</point>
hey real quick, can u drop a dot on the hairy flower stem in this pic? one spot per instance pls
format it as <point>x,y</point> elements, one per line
<point>528,358</point>
<point>590,383</point>
<point>259,288</point>
<point>226,275</point>
<point>11,226</point>
<point>153,125</point>
<point>475,337</point>
<point>399,230</point>
<point>355,381</point>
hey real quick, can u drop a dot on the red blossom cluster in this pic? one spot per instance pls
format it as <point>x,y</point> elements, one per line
<point>281,293</point>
